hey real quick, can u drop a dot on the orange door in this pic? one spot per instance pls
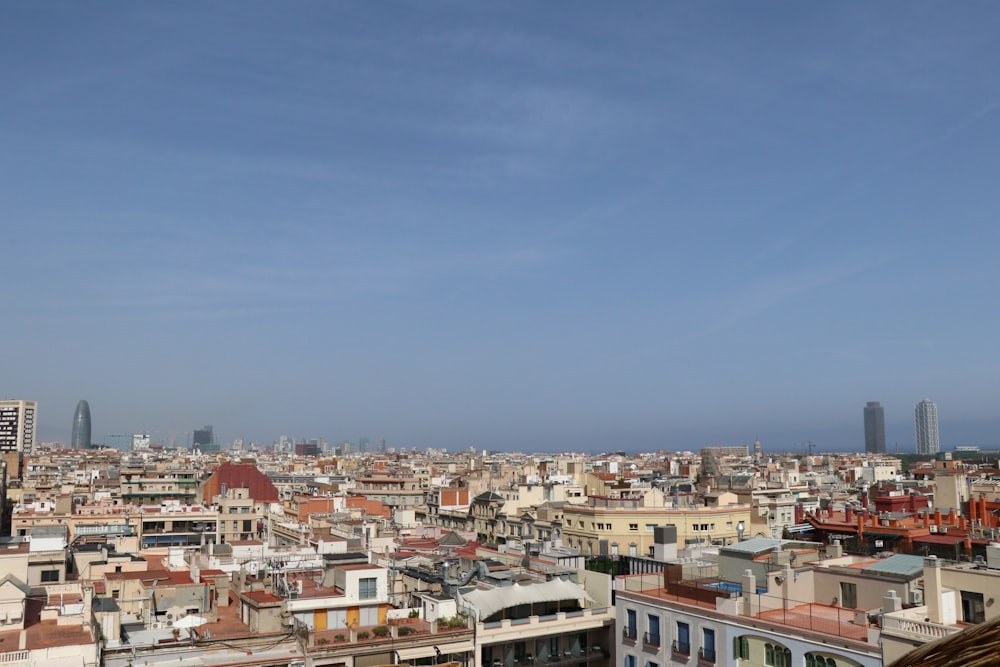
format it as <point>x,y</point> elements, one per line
<point>319,619</point>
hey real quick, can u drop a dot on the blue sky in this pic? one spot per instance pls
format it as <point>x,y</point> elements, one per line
<point>516,226</point>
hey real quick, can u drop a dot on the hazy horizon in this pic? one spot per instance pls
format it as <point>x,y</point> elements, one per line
<point>517,226</point>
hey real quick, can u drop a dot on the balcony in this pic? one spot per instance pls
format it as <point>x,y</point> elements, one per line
<point>629,634</point>
<point>651,641</point>
<point>561,659</point>
<point>706,655</point>
<point>909,624</point>
<point>549,624</point>
<point>681,648</point>
<point>420,640</point>
<point>15,659</point>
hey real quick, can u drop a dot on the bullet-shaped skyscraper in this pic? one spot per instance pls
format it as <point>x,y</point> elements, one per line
<point>874,428</point>
<point>926,417</point>
<point>81,426</point>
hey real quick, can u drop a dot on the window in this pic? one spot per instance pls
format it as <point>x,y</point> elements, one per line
<point>367,588</point>
<point>848,595</point>
<point>50,575</point>
<point>707,651</point>
<point>650,527</point>
<point>683,643</point>
<point>776,655</point>
<point>816,660</point>
<point>630,624</point>
<point>633,549</point>
<point>973,610</point>
<point>633,526</point>
<point>630,661</point>
<point>652,664</point>
<point>653,630</point>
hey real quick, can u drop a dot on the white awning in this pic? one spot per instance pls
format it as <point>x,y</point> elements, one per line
<point>429,652</point>
<point>490,602</point>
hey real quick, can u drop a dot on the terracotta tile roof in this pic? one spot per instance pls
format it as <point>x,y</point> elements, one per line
<point>241,476</point>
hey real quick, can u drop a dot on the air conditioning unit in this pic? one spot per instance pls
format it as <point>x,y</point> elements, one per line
<point>934,528</point>
<point>916,596</point>
<point>157,626</point>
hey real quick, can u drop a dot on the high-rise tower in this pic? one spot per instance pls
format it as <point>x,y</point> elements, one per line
<point>17,426</point>
<point>874,428</point>
<point>926,418</point>
<point>81,426</point>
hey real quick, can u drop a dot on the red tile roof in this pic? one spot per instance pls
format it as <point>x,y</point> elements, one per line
<point>261,597</point>
<point>240,476</point>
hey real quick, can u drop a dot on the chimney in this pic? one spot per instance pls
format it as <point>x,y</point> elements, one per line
<point>891,602</point>
<point>749,590</point>
<point>937,610</point>
<point>88,606</point>
<point>786,583</point>
<point>835,550</point>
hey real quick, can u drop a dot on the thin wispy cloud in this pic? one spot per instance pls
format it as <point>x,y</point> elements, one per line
<point>469,211</point>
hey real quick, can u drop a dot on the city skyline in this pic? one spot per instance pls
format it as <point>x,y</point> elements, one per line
<point>190,437</point>
<point>513,227</point>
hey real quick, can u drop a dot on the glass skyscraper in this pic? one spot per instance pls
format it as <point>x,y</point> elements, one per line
<point>81,426</point>
<point>874,428</point>
<point>926,417</point>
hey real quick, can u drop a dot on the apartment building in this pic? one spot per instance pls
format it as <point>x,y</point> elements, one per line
<point>955,596</point>
<point>624,526</point>
<point>240,516</point>
<point>154,485</point>
<point>173,524</point>
<point>531,620</point>
<point>764,603</point>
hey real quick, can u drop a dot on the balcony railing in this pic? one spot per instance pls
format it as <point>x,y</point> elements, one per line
<point>602,615</point>
<point>629,634</point>
<point>706,654</point>
<point>651,640</point>
<point>576,656</point>
<point>681,648</point>
<point>925,631</point>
